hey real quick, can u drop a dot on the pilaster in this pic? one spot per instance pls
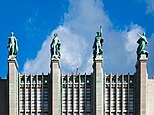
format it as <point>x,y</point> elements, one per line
<point>13,86</point>
<point>98,108</point>
<point>141,85</point>
<point>55,87</point>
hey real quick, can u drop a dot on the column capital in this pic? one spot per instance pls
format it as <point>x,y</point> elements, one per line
<point>142,58</point>
<point>98,60</point>
<point>13,61</point>
<point>55,61</point>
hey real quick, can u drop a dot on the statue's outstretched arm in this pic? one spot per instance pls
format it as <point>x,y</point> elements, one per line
<point>140,35</point>
<point>101,31</point>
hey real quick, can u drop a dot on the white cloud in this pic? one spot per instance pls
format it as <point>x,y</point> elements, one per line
<point>72,48</point>
<point>72,51</point>
<point>41,62</point>
<point>120,49</point>
<point>77,35</point>
<point>88,66</point>
<point>131,42</point>
<point>150,7</point>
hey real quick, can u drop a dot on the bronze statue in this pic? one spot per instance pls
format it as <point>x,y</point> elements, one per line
<point>142,43</point>
<point>97,47</point>
<point>12,46</point>
<point>55,47</point>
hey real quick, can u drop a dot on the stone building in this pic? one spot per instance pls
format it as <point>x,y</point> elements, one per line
<point>94,94</point>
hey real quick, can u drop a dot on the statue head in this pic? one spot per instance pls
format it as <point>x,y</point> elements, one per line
<point>143,34</point>
<point>55,35</point>
<point>97,33</point>
<point>12,34</point>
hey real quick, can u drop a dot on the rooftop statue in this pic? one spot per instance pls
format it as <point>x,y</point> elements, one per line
<point>97,47</point>
<point>55,47</point>
<point>142,43</point>
<point>12,46</point>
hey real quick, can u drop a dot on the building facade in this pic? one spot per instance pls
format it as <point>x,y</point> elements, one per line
<point>75,94</point>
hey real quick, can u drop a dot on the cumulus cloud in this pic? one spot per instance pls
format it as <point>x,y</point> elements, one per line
<point>41,62</point>
<point>72,48</point>
<point>120,49</point>
<point>131,42</point>
<point>77,35</point>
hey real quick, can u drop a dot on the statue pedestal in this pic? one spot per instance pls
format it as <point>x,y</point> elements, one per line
<point>56,87</point>
<point>13,86</point>
<point>141,78</point>
<point>12,57</point>
<point>98,87</point>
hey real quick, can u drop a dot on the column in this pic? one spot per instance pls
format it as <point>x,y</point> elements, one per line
<point>98,87</point>
<point>13,86</point>
<point>141,79</point>
<point>55,87</point>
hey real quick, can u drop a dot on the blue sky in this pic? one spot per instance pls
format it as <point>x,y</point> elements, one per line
<point>76,22</point>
